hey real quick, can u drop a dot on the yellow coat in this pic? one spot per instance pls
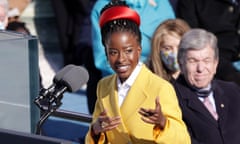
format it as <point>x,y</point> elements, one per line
<point>143,93</point>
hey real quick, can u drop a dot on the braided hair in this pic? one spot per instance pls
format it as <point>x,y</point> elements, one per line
<point>119,25</point>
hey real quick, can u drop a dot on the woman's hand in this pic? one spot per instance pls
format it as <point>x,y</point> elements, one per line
<point>153,116</point>
<point>105,123</point>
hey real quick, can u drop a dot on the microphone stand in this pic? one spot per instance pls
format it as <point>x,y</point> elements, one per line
<point>44,117</point>
<point>42,120</point>
<point>54,102</point>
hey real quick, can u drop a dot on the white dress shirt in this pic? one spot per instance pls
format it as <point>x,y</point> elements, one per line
<point>124,87</point>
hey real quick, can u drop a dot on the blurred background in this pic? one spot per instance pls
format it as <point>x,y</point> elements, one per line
<point>39,17</point>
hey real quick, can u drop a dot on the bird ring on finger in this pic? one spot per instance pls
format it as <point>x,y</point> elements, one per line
<point>104,124</point>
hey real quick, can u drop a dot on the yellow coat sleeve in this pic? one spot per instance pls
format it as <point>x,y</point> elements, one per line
<point>175,131</point>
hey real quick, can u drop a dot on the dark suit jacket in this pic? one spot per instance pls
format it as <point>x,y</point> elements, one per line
<point>69,16</point>
<point>221,17</point>
<point>201,125</point>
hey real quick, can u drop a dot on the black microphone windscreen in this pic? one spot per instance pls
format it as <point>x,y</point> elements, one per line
<point>59,75</point>
<point>75,78</point>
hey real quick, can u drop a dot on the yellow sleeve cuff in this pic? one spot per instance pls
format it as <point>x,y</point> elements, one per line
<point>157,131</point>
<point>101,138</point>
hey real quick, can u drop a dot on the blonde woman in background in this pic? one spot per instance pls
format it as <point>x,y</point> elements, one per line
<point>164,48</point>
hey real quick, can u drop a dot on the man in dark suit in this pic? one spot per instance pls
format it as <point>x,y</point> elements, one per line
<point>221,17</point>
<point>210,108</point>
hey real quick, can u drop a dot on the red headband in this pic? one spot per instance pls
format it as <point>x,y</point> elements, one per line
<point>119,12</point>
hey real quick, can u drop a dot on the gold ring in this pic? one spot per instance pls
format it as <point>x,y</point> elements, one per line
<point>104,124</point>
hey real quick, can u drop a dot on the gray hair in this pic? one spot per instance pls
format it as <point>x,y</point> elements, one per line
<point>4,4</point>
<point>196,39</point>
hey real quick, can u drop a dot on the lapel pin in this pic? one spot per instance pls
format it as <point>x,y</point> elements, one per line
<point>222,105</point>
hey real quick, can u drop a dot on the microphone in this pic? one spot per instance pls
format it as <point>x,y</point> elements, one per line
<point>62,72</point>
<point>44,92</point>
<point>71,78</point>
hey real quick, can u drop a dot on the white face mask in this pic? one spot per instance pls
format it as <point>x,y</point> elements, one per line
<point>2,26</point>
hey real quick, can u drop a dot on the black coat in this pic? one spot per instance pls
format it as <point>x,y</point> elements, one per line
<point>71,22</point>
<point>221,17</point>
<point>203,128</point>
